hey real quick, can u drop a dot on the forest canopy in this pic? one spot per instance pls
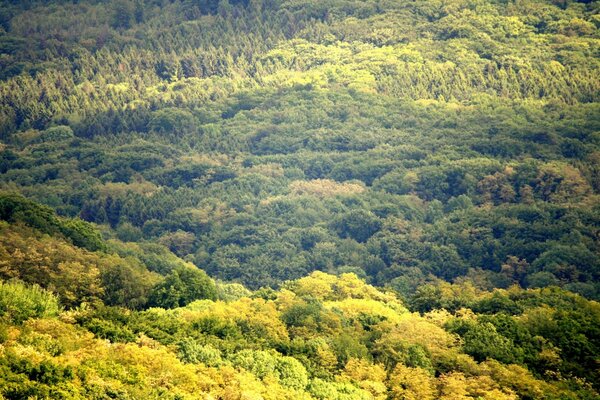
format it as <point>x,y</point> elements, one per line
<point>302,199</point>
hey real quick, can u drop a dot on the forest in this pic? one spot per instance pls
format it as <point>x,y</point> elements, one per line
<point>300,199</point>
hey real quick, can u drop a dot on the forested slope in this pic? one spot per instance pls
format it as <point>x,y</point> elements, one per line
<point>319,337</point>
<point>446,152</point>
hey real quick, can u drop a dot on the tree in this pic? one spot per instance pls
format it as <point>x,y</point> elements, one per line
<point>179,242</point>
<point>182,286</point>
<point>408,383</point>
<point>126,285</point>
<point>482,341</point>
<point>19,302</point>
<point>359,225</point>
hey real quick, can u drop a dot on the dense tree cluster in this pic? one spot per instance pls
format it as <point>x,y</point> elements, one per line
<point>196,197</point>
<point>319,337</point>
<point>219,128</point>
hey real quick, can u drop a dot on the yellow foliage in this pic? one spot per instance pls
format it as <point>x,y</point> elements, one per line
<point>352,308</point>
<point>285,299</point>
<point>347,286</point>
<point>560,182</point>
<point>454,360</point>
<point>438,317</point>
<point>318,284</point>
<point>457,386</point>
<point>71,272</point>
<point>462,290</point>
<point>155,368</point>
<point>484,387</point>
<point>415,329</point>
<point>121,87</point>
<point>325,357</point>
<point>62,337</point>
<point>260,315</point>
<point>324,188</point>
<point>516,378</point>
<point>118,189</point>
<point>453,386</point>
<point>76,281</point>
<point>408,383</point>
<point>367,376</point>
<point>361,370</point>
<point>271,170</point>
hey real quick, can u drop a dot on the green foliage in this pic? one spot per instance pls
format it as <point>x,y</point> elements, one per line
<point>182,286</point>
<point>231,291</point>
<point>360,225</point>
<point>127,285</point>
<point>191,351</point>
<point>30,379</point>
<point>446,151</point>
<point>171,121</point>
<point>366,345</point>
<point>57,133</point>
<point>82,234</point>
<point>482,341</point>
<point>15,208</point>
<point>291,373</point>
<point>19,302</point>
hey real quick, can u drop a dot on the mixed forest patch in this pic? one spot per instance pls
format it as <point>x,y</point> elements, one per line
<point>269,199</point>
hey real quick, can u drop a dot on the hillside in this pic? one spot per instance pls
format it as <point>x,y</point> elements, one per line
<point>319,337</point>
<point>337,199</point>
